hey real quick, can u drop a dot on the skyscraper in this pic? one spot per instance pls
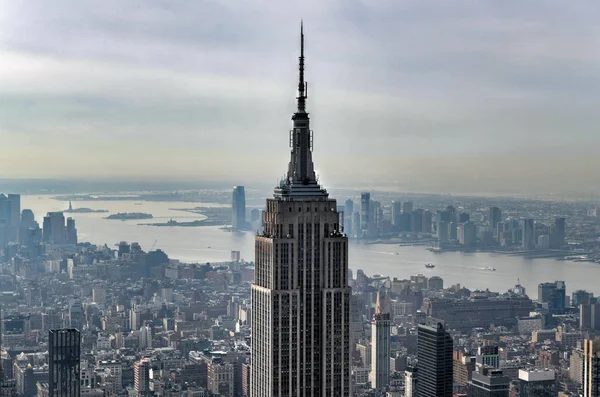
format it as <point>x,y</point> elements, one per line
<point>528,234</point>
<point>54,231</point>
<point>64,358</point>
<point>365,210</point>
<point>71,232</point>
<point>380,346</point>
<point>75,314</point>
<point>434,352</point>
<point>396,211</point>
<point>553,296</point>
<point>238,207</point>
<point>495,217</point>
<point>141,377</point>
<point>591,368</point>
<point>559,225</point>
<point>300,297</point>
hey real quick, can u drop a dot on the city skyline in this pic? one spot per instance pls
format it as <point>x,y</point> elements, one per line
<point>445,93</point>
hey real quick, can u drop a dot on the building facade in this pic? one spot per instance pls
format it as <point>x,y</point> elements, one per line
<point>300,297</point>
<point>434,352</point>
<point>64,350</point>
<point>591,368</point>
<point>380,347</point>
<point>488,382</point>
<point>238,207</point>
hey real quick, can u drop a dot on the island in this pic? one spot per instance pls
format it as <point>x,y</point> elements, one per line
<point>125,216</point>
<point>213,216</point>
<point>199,222</point>
<point>82,210</point>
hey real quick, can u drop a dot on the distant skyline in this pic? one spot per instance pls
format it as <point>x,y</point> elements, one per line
<point>446,97</point>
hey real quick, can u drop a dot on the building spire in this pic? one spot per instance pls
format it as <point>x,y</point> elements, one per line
<point>302,87</point>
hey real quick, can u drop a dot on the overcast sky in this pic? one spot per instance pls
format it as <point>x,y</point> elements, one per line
<point>449,96</point>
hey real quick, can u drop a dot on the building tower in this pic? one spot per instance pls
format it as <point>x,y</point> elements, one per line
<point>559,225</point>
<point>64,357</point>
<point>238,207</point>
<point>300,296</point>
<point>434,352</point>
<point>365,211</point>
<point>528,234</point>
<point>141,377</point>
<point>591,368</point>
<point>380,346</point>
<point>411,381</point>
<point>75,314</point>
<point>494,217</point>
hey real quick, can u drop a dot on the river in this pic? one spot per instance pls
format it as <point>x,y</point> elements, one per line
<point>211,244</point>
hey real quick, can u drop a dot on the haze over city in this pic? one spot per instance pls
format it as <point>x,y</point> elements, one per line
<point>461,96</point>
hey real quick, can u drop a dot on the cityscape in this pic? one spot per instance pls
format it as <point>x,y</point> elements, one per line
<point>299,289</point>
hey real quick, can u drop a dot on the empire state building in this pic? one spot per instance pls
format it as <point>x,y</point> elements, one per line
<point>300,296</point>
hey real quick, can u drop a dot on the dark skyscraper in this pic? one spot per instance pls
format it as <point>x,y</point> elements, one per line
<point>300,297</point>
<point>528,238</point>
<point>365,211</point>
<point>238,207</point>
<point>553,295</point>
<point>559,225</point>
<point>495,216</point>
<point>434,352</point>
<point>64,357</point>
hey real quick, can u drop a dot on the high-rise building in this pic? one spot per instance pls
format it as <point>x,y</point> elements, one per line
<point>349,207</point>
<point>553,296</point>
<point>365,210</point>
<point>71,232</point>
<point>238,207</point>
<point>591,368</point>
<point>300,296</point>
<point>560,232</point>
<point>488,382</point>
<point>488,356</point>
<point>494,217</point>
<point>434,352</point>
<point>54,231</point>
<point>141,377</point>
<point>427,221</point>
<point>380,346</point>
<point>348,214</point>
<point>407,207</point>
<point>411,381</point>
<point>75,314</point>
<point>64,349</point>
<point>416,220</point>
<point>467,233</point>
<point>356,224</point>
<point>589,316</point>
<point>528,241</point>
<point>396,212</point>
<point>537,383</point>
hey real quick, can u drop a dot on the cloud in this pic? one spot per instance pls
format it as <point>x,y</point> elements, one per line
<point>420,92</point>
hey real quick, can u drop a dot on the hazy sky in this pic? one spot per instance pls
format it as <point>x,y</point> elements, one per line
<point>423,95</point>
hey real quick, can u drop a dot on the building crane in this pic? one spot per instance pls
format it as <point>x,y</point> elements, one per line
<point>153,245</point>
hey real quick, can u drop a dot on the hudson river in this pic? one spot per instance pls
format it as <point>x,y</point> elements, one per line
<point>211,244</point>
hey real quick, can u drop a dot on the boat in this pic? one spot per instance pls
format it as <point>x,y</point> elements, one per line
<point>491,269</point>
<point>429,265</point>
